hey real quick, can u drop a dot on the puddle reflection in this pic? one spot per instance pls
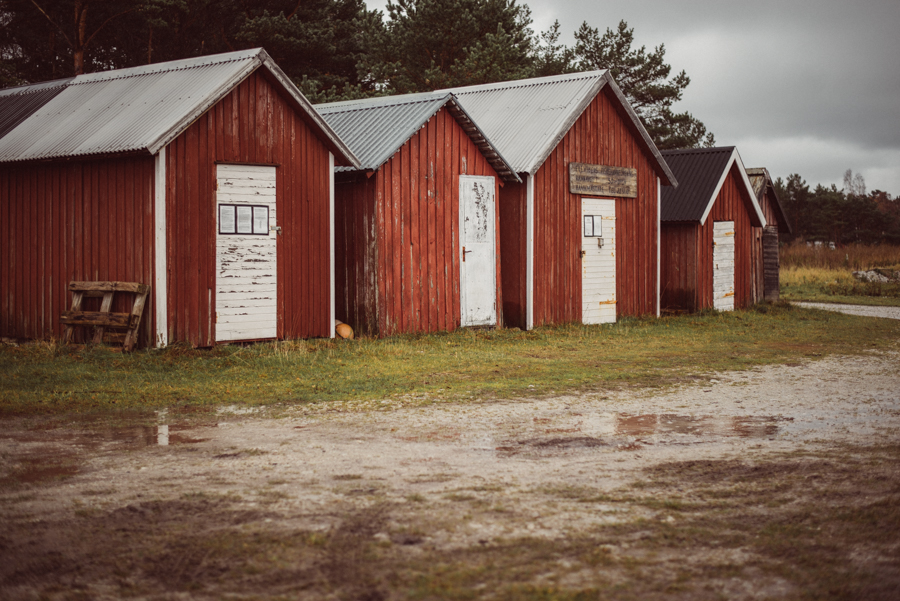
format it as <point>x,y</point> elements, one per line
<point>697,425</point>
<point>629,431</point>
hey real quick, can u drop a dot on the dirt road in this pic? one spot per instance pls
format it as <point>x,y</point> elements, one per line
<point>778,482</point>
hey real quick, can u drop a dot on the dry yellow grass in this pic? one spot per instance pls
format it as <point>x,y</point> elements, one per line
<point>847,258</point>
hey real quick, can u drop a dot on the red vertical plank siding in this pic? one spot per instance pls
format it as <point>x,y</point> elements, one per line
<point>688,252</point>
<point>51,227</point>
<point>678,269</point>
<point>600,136</point>
<point>252,124</point>
<point>401,270</point>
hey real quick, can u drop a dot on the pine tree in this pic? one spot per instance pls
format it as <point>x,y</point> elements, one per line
<point>644,79</point>
<point>433,44</point>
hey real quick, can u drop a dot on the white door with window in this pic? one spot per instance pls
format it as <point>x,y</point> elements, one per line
<point>723,265</point>
<point>246,253</point>
<point>478,259</point>
<point>598,260</point>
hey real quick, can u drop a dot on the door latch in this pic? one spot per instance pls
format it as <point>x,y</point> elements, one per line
<point>275,228</point>
<point>464,252</point>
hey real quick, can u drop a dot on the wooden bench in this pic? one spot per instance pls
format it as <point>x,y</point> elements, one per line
<point>103,319</point>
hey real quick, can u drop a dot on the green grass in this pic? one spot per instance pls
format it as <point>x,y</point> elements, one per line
<point>461,365</point>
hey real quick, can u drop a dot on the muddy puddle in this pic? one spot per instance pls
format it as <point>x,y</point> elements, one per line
<point>629,432</point>
<point>53,450</point>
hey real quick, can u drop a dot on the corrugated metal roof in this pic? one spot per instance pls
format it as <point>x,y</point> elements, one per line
<point>762,184</point>
<point>17,104</point>
<point>528,118</point>
<point>701,173</point>
<point>376,128</point>
<point>139,109</point>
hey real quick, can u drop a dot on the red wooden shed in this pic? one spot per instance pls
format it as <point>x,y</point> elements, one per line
<point>579,238</point>
<point>211,179</point>
<point>708,231</point>
<point>766,264</point>
<point>416,224</point>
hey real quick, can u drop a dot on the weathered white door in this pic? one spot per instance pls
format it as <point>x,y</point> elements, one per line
<point>598,260</point>
<point>246,254</point>
<point>478,263</point>
<point>723,265</point>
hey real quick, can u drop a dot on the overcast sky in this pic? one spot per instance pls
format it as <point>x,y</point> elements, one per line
<point>799,86</point>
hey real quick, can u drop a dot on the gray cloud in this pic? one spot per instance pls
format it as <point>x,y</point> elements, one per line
<point>800,86</point>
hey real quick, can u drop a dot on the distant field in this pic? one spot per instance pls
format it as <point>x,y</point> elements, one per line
<point>824,275</point>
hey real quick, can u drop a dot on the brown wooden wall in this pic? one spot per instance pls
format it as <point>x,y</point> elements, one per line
<point>252,124</point>
<point>513,239</point>
<point>762,290</point>
<point>356,254</point>
<point>678,266</point>
<point>402,275</point>
<point>64,221</point>
<point>600,136</point>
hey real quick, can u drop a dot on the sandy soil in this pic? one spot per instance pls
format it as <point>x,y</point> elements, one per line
<point>773,483</point>
<point>863,310</point>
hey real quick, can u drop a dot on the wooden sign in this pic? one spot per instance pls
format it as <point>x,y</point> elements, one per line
<point>602,180</point>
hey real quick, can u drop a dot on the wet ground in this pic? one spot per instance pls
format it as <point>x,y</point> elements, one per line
<point>780,482</point>
<point>863,310</point>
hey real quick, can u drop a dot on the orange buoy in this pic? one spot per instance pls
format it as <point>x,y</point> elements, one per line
<point>343,330</point>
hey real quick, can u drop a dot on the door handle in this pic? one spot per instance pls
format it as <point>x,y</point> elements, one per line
<point>464,252</point>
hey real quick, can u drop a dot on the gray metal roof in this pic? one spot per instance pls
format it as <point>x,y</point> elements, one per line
<point>136,110</point>
<point>762,185</point>
<point>376,128</point>
<point>17,104</point>
<point>528,118</point>
<point>701,173</point>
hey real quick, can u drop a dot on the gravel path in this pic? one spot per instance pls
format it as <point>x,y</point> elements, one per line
<point>864,310</point>
<point>626,492</point>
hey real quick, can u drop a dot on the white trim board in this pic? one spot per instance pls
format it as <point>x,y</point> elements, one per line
<point>160,264</point>
<point>331,317</point>
<point>529,252</point>
<point>735,157</point>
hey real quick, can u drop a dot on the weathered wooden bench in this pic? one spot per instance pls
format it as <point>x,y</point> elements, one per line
<point>104,318</point>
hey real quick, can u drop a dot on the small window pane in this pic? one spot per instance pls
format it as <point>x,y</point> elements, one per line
<point>245,220</point>
<point>598,226</point>
<point>260,220</point>
<point>588,225</point>
<point>226,219</point>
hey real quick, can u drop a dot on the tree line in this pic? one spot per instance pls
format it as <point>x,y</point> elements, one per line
<point>846,216</point>
<point>337,49</point>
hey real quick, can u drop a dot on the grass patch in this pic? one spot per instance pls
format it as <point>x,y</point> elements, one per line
<point>461,365</point>
<point>820,284</point>
<point>819,274</point>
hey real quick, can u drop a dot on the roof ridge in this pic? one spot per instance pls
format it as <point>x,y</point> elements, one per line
<point>372,103</point>
<point>167,67</point>
<point>528,82</point>
<point>697,150</point>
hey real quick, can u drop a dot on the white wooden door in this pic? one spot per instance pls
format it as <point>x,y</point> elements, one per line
<point>598,260</point>
<point>723,265</point>
<point>478,263</point>
<point>246,254</point>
